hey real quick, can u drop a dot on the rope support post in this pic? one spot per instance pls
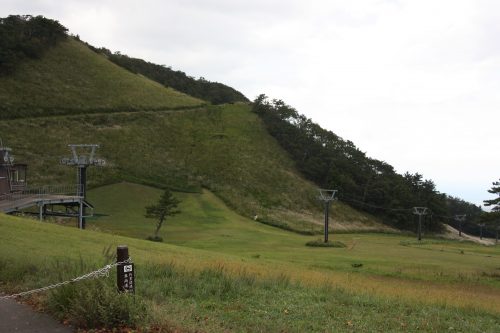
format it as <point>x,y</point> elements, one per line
<point>125,279</point>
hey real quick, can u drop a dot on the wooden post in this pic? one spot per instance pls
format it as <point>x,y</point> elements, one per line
<point>125,279</point>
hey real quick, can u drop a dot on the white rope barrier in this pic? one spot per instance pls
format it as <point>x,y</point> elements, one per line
<point>101,272</point>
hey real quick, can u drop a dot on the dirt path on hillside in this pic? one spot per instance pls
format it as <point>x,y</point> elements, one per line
<point>454,234</point>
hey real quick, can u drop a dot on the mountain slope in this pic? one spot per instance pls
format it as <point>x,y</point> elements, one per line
<point>71,79</point>
<point>73,95</point>
<point>215,92</point>
<point>223,148</point>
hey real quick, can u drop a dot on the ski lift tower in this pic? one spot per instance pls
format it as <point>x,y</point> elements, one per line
<point>83,156</point>
<point>481,226</point>
<point>327,196</point>
<point>420,211</point>
<point>460,219</point>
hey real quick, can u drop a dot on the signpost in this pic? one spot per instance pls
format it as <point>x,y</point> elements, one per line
<point>125,278</point>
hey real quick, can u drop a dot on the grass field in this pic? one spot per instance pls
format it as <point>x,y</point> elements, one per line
<point>207,223</point>
<point>239,275</point>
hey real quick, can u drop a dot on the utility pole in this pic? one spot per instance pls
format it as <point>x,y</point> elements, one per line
<point>420,211</point>
<point>82,156</point>
<point>460,219</point>
<point>327,196</point>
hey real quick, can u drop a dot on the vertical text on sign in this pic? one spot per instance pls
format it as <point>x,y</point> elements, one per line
<point>128,278</point>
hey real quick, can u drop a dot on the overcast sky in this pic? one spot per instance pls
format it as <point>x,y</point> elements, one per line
<point>413,83</point>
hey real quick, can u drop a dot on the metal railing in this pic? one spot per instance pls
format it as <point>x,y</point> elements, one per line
<point>44,191</point>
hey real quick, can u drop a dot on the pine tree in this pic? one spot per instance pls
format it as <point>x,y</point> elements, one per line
<point>494,202</point>
<point>166,206</point>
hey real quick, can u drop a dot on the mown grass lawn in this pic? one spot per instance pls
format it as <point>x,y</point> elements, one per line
<point>206,223</point>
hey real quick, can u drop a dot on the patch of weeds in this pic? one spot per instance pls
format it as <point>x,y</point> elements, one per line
<point>320,243</point>
<point>155,238</point>
<point>284,226</point>
<point>494,275</point>
<point>96,304</point>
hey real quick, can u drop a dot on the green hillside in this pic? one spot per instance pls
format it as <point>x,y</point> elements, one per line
<point>120,209</point>
<point>222,148</point>
<point>71,79</point>
<point>215,92</point>
<point>153,135</point>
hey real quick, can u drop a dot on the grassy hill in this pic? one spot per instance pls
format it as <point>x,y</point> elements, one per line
<point>225,149</point>
<point>120,210</point>
<point>72,79</point>
<point>269,283</point>
<point>73,95</point>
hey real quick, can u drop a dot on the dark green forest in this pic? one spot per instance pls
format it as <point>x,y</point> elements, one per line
<point>363,182</point>
<point>214,92</point>
<point>26,36</point>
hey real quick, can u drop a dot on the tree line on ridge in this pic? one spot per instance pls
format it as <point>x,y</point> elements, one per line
<point>26,36</point>
<point>365,183</point>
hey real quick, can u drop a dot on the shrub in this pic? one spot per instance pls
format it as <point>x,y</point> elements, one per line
<point>155,238</point>
<point>96,304</point>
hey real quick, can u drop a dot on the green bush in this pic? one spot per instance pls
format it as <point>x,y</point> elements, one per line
<point>155,238</point>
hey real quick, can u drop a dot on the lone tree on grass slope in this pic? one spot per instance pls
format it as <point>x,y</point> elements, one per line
<point>166,206</point>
